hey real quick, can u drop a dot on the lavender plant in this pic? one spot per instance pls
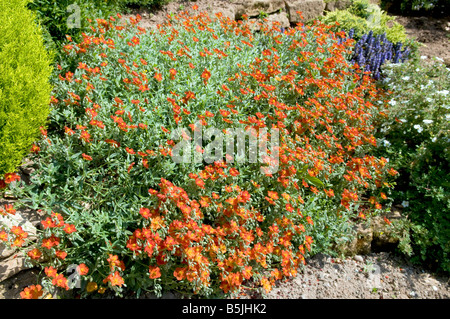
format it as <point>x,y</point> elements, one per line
<point>372,51</point>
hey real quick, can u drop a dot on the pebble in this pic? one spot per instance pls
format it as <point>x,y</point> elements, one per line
<point>358,258</point>
<point>435,288</point>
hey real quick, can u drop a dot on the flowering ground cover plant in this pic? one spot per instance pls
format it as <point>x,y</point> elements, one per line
<point>416,140</point>
<point>124,214</point>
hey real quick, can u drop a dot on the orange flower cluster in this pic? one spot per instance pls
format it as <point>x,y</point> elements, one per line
<point>219,223</point>
<point>32,292</point>
<point>197,246</point>
<point>8,179</point>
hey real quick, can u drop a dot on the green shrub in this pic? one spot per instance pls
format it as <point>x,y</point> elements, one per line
<point>55,15</point>
<point>144,3</point>
<point>362,17</point>
<point>24,83</point>
<point>416,141</point>
<point>417,6</point>
<point>119,203</point>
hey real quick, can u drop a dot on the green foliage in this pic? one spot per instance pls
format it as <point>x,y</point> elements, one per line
<point>24,83</point>
<point>55,15</point>
<point>412,6</point>
<point>362,17</point>
<point>144,3</point>
<point>416,140</point>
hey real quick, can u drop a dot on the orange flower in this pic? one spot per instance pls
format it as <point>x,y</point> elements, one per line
<point>61,254</point>
<point>86,157</point>
<point>155,272</point>
<point>18,242</point>
<point>200,183</point>
<point>115,279</point>
<point>48,223</point>
<point>172,72</point>
<point>35,149</point>
<point>3,235</point>
<point>60,281</point>
<point>70,228</point>
<point>82,269</point>
<point>11,177</point>
<point>17,230</point>
<point>32,292</point>
<point>145,212</point>
<point>392,172</point>
<point>273,195</point>
<point>158,77</point>
<point>206,75</point>
<point>234,172</point>
<point>50,272</point>
<point>34,254</point>
<point>68,131</point>
<point>85,136</point>
<point>265,283</point>
<point>9,209</point>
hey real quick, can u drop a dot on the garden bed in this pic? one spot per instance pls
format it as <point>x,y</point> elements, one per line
<point>374,275</point>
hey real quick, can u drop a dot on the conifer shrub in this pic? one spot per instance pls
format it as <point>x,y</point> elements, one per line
<point>363,17</point>
<point>24,83</point>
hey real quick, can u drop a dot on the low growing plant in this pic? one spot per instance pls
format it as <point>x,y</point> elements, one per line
<point>133,199</point>
<point>416,141</point>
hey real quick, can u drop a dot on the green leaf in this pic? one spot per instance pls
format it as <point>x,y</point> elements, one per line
<point>314,180</point>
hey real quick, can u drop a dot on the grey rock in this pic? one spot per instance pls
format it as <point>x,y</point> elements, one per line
<point>11,266</point>
<point>311,9</point>
<point>337,5</point>
<point>254,8</point>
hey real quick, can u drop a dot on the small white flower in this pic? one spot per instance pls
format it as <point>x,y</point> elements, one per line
<point>405,78</point>
<point>439,59</point>
<point>418,128</point>
<point>434,139</point>
<point>392,102</point>
<point>447,116</point>
<point>443,92</point>
<point>405,203</point>
<point>403,120</point>
<point>423,57</point>
<point>428,121</point>
<point>429,99</point>
<point>386,143</point>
